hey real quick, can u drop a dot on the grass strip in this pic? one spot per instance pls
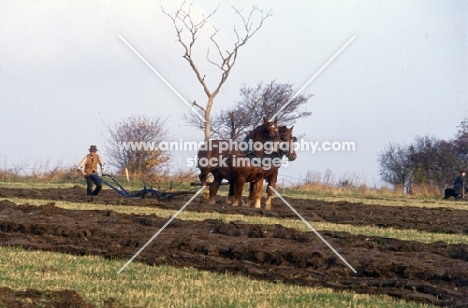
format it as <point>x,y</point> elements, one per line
<point>140,285</point>
<point>328,195</point>
<point>385,200</point>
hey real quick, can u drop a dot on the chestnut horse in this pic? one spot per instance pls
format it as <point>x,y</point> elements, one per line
<point>271,174</point>
<point>214,157</point>
<point>251,167</point>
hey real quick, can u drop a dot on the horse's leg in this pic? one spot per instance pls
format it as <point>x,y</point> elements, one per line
<point>214,189</point>
<point>237,191</point>
<point>238,186</point>
<point>241,199</point>
<point>252,194</point>
<point>206,192</point>
<point>258,193</point>
<point>271,182</point>
<point>230,197</point>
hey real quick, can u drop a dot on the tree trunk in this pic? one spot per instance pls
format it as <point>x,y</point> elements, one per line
<point>207,117</point>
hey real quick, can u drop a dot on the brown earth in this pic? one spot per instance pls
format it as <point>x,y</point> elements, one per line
<point>56,299</point>
<point>434,273</point>
<point>440,220</point>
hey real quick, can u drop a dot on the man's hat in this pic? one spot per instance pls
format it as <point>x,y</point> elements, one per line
<point>93,148</point>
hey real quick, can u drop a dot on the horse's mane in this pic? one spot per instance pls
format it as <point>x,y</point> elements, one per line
<point>259,130</point>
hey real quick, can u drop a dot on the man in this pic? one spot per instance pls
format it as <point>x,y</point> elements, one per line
<point>459,185</point>
<point>88,168</point>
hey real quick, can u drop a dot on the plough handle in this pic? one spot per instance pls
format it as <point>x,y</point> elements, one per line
<point>120,191</point>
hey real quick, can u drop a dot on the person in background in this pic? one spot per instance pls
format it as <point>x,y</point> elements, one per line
<point>89,167</point>
<point>459,185</point>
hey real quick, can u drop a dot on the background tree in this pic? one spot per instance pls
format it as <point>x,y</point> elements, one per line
<point>460,142</point>
<point>395,165</point>
<point>144,133</point>
<point>423,157</point>
<point>187,30</point>
<point>427,161</point>
<point>451,162</point>
<point>263,100</point>
<point>434,161</point>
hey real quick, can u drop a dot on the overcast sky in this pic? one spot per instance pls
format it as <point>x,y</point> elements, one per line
<point>65,74</point>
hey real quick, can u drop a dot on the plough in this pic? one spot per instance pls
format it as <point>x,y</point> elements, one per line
<point>144,193</point>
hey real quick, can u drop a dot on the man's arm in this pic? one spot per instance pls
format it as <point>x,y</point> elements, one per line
<point>101,164</point>
<point>81,166</point>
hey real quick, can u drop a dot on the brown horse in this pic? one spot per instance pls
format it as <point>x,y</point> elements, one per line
<point>243,170</point>
<point>271,174</point>
<point>251,166</point>
<point>214,156</point>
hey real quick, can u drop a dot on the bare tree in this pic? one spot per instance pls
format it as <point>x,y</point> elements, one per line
<point>427,161</point>
<point>228,124</point>
<point>395,165</point>
<point>133,144</point>
<point>434,161</point>
<point>187,30</point>
<point>263,100</point>
<point>461,141</point>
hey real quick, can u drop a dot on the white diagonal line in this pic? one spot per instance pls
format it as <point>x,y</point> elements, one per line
<point>160,230</point>
<point>313,77</point>
<point>161,77</point>
<point>312,228</point>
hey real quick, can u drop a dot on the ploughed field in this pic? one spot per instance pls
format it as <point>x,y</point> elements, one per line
<point>435,273</point>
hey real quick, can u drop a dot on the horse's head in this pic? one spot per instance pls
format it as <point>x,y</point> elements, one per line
<point>271,130</point>
<point>268,131</point>
<point>288,138</point>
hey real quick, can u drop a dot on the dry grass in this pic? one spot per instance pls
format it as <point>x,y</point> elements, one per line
<point>42,170</point>
<point>45,175</point>
<point>419,191</point>
<point>378,199</point>
<point>353,184</point>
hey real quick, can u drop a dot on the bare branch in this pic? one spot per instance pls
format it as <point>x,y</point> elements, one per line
<point>229,58</point>
<point>257,102</point>
<point>187,30</point>
<point>196,105</point>
<point>182,20</point>
<point>138,129</point>
<point>192,120</point>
